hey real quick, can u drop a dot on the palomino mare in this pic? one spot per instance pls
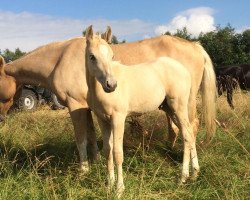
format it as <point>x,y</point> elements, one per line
<point>60,67</point>
<point>229,77</point>
<point>116,90</point>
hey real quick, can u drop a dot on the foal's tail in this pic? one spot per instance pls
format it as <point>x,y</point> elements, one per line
<point>209,94</point>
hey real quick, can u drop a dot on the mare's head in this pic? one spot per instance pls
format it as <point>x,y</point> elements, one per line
<point>99,57</point>
<point>7,90</point>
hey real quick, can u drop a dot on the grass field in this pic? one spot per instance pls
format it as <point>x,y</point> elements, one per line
<point>38,159</point>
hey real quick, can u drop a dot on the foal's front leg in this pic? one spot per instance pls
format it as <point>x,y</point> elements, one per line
<point>117,124</point>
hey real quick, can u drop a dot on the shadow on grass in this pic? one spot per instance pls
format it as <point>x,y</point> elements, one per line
<point>42,158</point>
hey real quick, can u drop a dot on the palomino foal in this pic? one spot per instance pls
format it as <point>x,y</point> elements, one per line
<point>116,90</point>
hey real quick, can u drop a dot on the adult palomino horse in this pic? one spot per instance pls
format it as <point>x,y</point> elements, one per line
<point>60,66</point>
<point>116,90</point>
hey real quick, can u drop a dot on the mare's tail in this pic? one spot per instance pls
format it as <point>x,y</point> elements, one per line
<point>209,94</point>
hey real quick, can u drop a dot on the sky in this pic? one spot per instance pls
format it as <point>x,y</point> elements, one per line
<point>28,24</point>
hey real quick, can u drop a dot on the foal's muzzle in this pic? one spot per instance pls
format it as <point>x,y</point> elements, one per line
<point>109,85</point>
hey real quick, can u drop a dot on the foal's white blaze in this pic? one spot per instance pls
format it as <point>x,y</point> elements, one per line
<point>104,51</point>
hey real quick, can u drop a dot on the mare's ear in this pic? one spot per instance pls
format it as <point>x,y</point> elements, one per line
<point>2,62</point>
<point>89,33</point>
<point>107,35</point>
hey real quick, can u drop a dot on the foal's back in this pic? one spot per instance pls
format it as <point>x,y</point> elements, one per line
<point>148,84</point>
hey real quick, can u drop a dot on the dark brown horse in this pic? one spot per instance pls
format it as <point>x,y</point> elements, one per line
<point>231,76</point>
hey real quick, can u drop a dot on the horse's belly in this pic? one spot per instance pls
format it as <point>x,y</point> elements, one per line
<point>147,100</point>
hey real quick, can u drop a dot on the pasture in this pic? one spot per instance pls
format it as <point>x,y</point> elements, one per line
<point>39,159</point>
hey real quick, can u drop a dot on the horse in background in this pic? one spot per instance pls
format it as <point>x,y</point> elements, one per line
<point>117,90</point>
<point>60,67</point>
<point>7,90</point>
<point>230,77</point>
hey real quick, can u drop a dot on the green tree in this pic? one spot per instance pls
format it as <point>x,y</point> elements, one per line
<point>224,45</point>
<point>182,33</point>
<point>221,45</point>
<point>10,55</point>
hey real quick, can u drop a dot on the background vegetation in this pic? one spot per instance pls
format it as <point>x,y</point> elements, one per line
<point>224,45</point>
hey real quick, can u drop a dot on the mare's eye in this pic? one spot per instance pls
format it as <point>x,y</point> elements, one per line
<point>92,57</point>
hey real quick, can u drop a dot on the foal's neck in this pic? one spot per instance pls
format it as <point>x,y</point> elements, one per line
<point>93,84</point>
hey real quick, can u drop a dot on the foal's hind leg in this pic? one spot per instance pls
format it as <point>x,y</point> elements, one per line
<point>192,113</point>
<point>179,115</point>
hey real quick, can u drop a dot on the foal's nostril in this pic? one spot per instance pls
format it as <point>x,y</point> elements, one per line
<point>108,85</point>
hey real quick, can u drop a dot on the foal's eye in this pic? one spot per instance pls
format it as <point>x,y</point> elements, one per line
<point>92,57</point>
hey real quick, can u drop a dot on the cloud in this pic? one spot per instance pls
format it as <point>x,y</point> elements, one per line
<point>242,29</point>
<point>29,30</point>
<point>196,20</point>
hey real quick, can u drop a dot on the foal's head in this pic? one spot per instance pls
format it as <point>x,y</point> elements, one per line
<point>7,90</point>
<point>99,59</point>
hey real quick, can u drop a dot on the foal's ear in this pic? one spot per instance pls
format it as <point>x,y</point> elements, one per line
<point>89,33</point>
<point>2,62</point>
<point>107,35</point>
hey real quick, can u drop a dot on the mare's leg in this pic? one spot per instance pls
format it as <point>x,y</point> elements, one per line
<point>108,149</point>
<point>91,137</point>
<point>80,116</point>
<point>172,128</point>
<point>118,123</point>
<point>172,131</point>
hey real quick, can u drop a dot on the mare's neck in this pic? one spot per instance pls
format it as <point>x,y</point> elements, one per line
<point>27,70</point>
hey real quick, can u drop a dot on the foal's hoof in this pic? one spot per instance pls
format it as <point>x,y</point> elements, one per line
<point>184,178</point>
<point>195,175</point>
<point>119,191</point>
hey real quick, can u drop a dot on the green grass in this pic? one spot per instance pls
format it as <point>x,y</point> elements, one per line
<point>39,159</point>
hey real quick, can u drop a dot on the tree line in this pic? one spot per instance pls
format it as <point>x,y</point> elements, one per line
<point>224,45</point>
